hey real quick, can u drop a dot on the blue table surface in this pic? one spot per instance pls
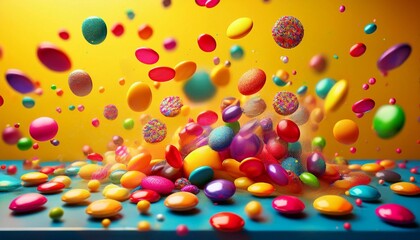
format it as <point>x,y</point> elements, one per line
<point>77,224</point>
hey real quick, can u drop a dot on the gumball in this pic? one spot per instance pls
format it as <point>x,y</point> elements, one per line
<point>43,128</point>
<point>346,131</point>
<point>11,135</point>
<point>276,147</point>
<point>288,131</point>
<point>242,147</point>
<point>56,213</point>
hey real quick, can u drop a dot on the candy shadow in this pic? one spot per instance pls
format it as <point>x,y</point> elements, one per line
<point>260,219</point>
<point>191,212</point>
<point>224,203</point>
<point>20,214</point>
<point>52,193</point>
<point>99,220</point>
<point>76,205</point>
<point>410,225</point>
<point>297,216</point>
<point>347,217</point>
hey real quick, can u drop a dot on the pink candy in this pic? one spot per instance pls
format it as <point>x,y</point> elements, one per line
<point>27,202</point>
<point>288,204</point>
<point>147,55</point>
<point>395,213</point>
<point>363,105</point>
<point>158,184</point>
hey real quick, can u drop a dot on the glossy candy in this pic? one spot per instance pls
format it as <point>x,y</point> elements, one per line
<point>147,55</point>
<point>139,96</point>
<point>206,43</point>
<point>261,189</point>
<point>181,201</point>
<point>94,30</point>
<point>231,113</point>
<point>287,32</point>
<point>202,156</point>
<point>34,178</point>
<point>243,182</point>
<point>370,28</point>
<point>243,147</point>
<point>236,52</point>
<point>239,28</point>
<point>253,209</point>
<point>346,131</point>
<point>388,121</point>
<point>161,74</point>
<point>318,63</point>
<point>117,193</point>
<point>159,184</point>
<point>324,86</point>
<point>276,147</point>
<point>220,138</point>
<point>220,75</point>
<point>62,179</point>
<point>336,95</point>
<point>131,179</point>
<point>363,105</point>
<point>145,31</point>
<point>207,118</point>
<point>75,196</point>
<point>278,174</point>
<point>252,167</point>
<point>252,81</point>
<point>371,167</point>
<point>53,58</point>
<point>364,192</point>
<point>388,176</point>
<point>19,81</point>
<point>11,135</point>
<point>51,187</point>
<point>8,183</point>
<point>43,128</point>
<point>357,50</point>
<point>201,175</point>
<point>139,162</point>
<point>288,204</point>
<point>104,208</point>
<point>395,213</point>
<point>393,57</point>
<point>332,205</point>
<point>315,163</point>
<point>27,202</point>
<point>56,213</point>
<point>219,190</point>
<point>288,131</point>
<point>173,156</point>
<point>227,222</point>
<point>144,194</point>
<point>184,70</point>
<point>405,188</point>
<point>309,179</point>
<point>116,175</point>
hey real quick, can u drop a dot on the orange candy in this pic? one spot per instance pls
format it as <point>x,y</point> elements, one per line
<point>346,131</point>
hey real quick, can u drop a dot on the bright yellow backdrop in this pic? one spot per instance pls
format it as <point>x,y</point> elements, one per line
<point>25,24</point>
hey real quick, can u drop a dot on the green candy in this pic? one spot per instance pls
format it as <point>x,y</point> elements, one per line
<point>309,179</point>
<point>94,30</point>
<point>318,143</point>
<point>128,124</point>
<point>199,88</point>
<point>24,144</point>
<point>56,213</point>
<point>388,121</point>
<point>235,126</point>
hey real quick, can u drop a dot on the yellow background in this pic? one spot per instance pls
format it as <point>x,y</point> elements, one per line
<point>25,24</point>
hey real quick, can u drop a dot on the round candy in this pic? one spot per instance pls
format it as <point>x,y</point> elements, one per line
<point>75,196</point>
<point>288,131</point>
<point>388,121</point>
<point>94,185</point>
<point>220,138</point>
<point>318,143</point>
<point>251,81</point>
<point>184,70</point>
<point>206,43</point>
<point>394,57</point>
<point>219,190</point>
<point>243,147</point>
<point>293,165</point>
<point>318,63</point>
<point>158,184</point>
<point>199,88</point>
<point>94,30</point>
<point>147,55</point>
<point>236,52</point>
<point>285,103</point>
<point>278,174</point>
<point>144,194</point>
<point>201,175</point>
<point>261,189</point>
<point>332,205</point>
<point>324,86</point>
<point>253,209</point>
<point>27,202</point>
<point>28,102</point>
<point>220,75</point>
<point>288,204</point>
<point>128,123</point>
<point>56,213</point>
<point>24,144</point>
<point>254,107</point>
<point>117,29</point>
<point>239,28</point>
<point>357,50</point>
<point>287,32</point>
<point>243,183</point>
<point>154,131</point>
<point>11,135</point>
<point>363,105</point>
<point>181,201</point>
<point>169,43</point>
<point>161,74</point>
<point>139,96</point>
<point>370,28</point>
<point>251,167</point>
<point>346,131</point>
<point>19,81</point>
<point>104,208</point>
<point>171,106</point>
<point>43,129</point>
<point>365,192</point>
<point>395,213</point>
<point>227,222</point>
<point>336,95</point>
<point>80,83</point>
<point>110,112</point>
<point>53,58</point>
<point>143,206</point>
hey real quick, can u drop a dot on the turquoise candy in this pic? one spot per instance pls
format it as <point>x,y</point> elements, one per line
<point>365,192</point>
<point>279,82</point>
<point>323,87</point>
<point>72,171</point>
<point>8,184</point>
<point>199,88</point>
<point>202,175</point>
<point>302,90</point>
<point>309,179</point>
<point>370,28</point>
<point>220,138</point>
<point>292,164</point>
<point>116,175</point>
<point>94,30</point>
<point>236,52</point>
<point>294,149</point>
<point>388,121</point>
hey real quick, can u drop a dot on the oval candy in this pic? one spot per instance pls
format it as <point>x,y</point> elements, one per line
<point>388,176</point>
<point>147,55</point>
<point>181,201</point>
<point>139,97</point>
<point>80,83</point>
<point>251,81</point>
<point>219,190</point>
<point>405,188</point>
<point>27,202</point>
<point>75,196</point>
<point>227,222</point>
<point>53,58</point>
<point>104,208</point>
<point>365,192</point>
<point>201,175</point>
<point>144,194</point>
<point>159,184</point>
<point>239,28</point>
<point>19,81</point>
<point>395,213</point>
<point>261,189</point>
<point>288,204</point>
<point>332,205</point>
<point>336,95</point>
<point>363,105</point>
<point>278,174</point>
<point>51,187</point>
<point>34,178</point>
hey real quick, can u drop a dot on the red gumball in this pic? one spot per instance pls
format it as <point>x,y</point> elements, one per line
<point>11,170</point>
<point>288,131</point>
<point>277,147</point>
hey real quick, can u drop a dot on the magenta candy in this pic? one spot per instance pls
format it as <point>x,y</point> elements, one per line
<point>147,55</point>
<point>169,43</point>
<point>43,129</point>
<point>363,105</point>
<point>207,118</point>
<point>315,163</point>
<point>53,58</point>
<point>201,3</point>
<point>357,50</point>
<point>231,114</point>
<point>11,135</point>
<point>288,131</point>
<point>19,81</point>
<point>206,43</point>
<point>243,147</point>
<point>194,129</point>
<point>394,57</point>
<point>158,184</point>
<point>161,74</point>
<point>288,204</point>
<point>27,202</point>
<point>278,174</point>
<point>395,213</point>
<point>212,3</point>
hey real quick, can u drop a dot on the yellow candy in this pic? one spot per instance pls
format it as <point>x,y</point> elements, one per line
<point>59,171</point>
<point>181,201</point>
<point>118,166</point>
<point>253,209</point>
<point>75,196</point>
<point>104,208</point>
<point>332,205</point>
<point>34,178</point>
<point>283,75</point>
<point>239,28</point>
<point>106,222</point>
<point>202,156</point>
<point>108,187</point>
<point>117,193</point>
<point>139,96</point>
<point>94,185</point>
<point>185,110</point>
<point>355,166</point>
<point>261,189</point>
<point>78,164</point>
<point>143,226</point>
<point>184,70</point>
<point>387,164</point>
<point>143,206</point>
<point>243,182</point>
<point>405,188</point>
<point>220,75</point>
<point>139,161</point>
<point>371,167</point>
<point>231,166</point>
<point>336,95</point>
<point>87,170</point>
<point>63,179</point>
<point>132,179</point>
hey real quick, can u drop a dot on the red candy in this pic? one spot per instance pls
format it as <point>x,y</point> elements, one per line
<point>357,50</point>
<point>118,29</point>
<point>53,58</point>
<point>144,194</point>
<point>227,222</point>
<point>95,157</point>
<point>206,43</point>
<point>161,74</point>
<point>11,170</point>
<point>173,156</point>
<point>47,170</point>
<point>51,187</point>
<point>288,131</point>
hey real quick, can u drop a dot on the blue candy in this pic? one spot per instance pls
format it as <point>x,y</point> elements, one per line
<point>293,165</point>
<point>365,192</point>
<point>201,175</point>
<point>220,138</point>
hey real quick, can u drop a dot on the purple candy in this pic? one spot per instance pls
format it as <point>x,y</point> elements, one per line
<point>278,174</point>
<point>231,113</point>
<point>191,189</point>
<point>219,190</point>
<point>243,147</point>
<point>394,57</point>
<point>19,81</point>
<point>363,105</point>
<point>315,164</point>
